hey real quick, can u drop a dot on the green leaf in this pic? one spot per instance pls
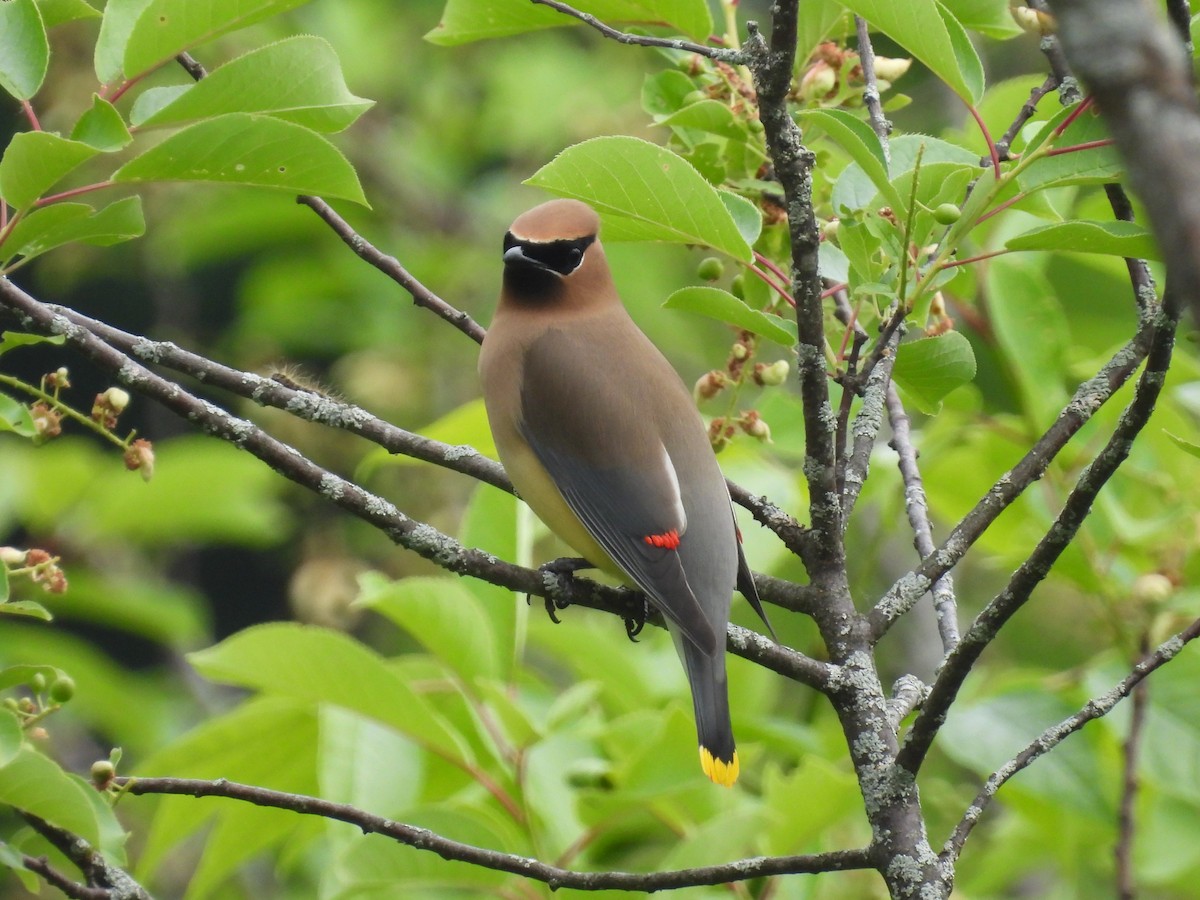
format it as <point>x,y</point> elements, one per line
<point>1096,165</point>
<point>708,115</point>
<point>4,588</point>
<point>1084,236</point>
<point>241,148</point>
<point>475,20</point>
<point>166,28</point>
<point>30,608</point>
<point>442,615</point>
<point>990,18</point>
<point>746,215</point>
<point>1032,330</point>
<point>10,340</point>
<point>11,736</point>
<point>321,666</point>
<point>102,127</point>
<point>151,100</point>
<point>33,783</point>
<point>857,138</point>
<point>930,368</point>
<point>55,12</point>
<point>722,305</point>
<point>931,33</point>
<point>298,79</point>
<point>11,676</point>
<point>1186,446</point>
<point>855,189</point>
<point>24,49</point>
<point>115,28</point>
<point>63,223</point>
<point>15,417</point>
<point>34,162</point>
<point>644,192</point>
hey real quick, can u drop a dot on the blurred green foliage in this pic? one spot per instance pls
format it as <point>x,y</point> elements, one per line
<point>584,739</point>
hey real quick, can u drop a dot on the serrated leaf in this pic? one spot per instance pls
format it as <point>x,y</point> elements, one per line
<point>321,666</point>
<point>475,20</point>
<point>298,79</point>
<point>644,192</point>
<point>1084,236</point>
<point>930,368</point>
<point>63,223</point>
<point>151,100</point>
<point>166,28</point>
<point>115,28</point>
<point>102,127</point>
<point>663,92</point>
<point>15,417</point>
<point>723,306</point>
<point>24,49</point>
<point>931,33</point>
<point>857,138</point>
<point>442,615</point>
<point>55,12</point>
<point>33,783</point>
<point>253,150</point>
<point>990,18</point>
<point>34,162</point>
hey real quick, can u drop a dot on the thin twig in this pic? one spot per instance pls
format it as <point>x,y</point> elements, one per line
<point>391,267</point>
<point>39,865</point>
<point>1056,734</point>
<point>1026,113</point>
<point>1127,810</point>
<point>721,54</point>
<point>405,531</point>
<point>866,58</point>
<point>99,872</point>
<point>1057,538</point>
<point>945,606</point>
<point>1087,399</point>
<point>555,877</point>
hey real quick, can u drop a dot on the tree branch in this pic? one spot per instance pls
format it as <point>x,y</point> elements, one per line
<point>1035,568</point>
<point>720,54</point>
<point>1088,398</point>
<point>116,883</point>
<point>1056,734</point>
<point>871,99</point>
<point>39,865</point>
<point>555,877</point>
<point>1126,811</point>
<point>408,533</point>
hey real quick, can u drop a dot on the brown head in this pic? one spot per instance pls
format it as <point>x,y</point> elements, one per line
<point>553,258</point>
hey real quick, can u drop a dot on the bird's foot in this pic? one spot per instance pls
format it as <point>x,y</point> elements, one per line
<point>559,571</point>
<point>637,621</point>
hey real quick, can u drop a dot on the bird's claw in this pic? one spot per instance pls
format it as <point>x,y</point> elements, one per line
<point>636,622</point>
<point>559,570</point>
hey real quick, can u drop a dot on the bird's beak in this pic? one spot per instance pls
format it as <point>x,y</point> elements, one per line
<point>515,256</point>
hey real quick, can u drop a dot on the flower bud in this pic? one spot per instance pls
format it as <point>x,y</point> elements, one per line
<point>1152,587</point>
<point>739,350</point>
<point>139,457</point>
<point>709,385</point>
<point>47,422</point>
<point>103,772</point>
<point>11,556</point>
<point>718,435</point>
<point>818,83</point>
<point>752,423</point>
<point>116,399</point>
<point>771,374</point>
<point>889,69</point>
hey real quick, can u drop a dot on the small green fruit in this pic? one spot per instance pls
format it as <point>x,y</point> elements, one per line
<point>947,214</point>
<point>694,97</point>
<point>710,268</point>
<point>103,772</point>
<point>63,689</point>
<point>737,287</point>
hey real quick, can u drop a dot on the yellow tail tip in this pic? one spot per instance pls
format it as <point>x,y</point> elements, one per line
<point>722,772</point>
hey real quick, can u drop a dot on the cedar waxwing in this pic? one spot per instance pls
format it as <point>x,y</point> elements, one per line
<point>603,441</point>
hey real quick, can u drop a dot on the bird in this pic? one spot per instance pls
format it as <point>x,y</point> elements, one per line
<point>602,439</point>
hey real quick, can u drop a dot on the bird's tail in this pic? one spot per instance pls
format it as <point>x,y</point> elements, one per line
<point>710,698</point>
